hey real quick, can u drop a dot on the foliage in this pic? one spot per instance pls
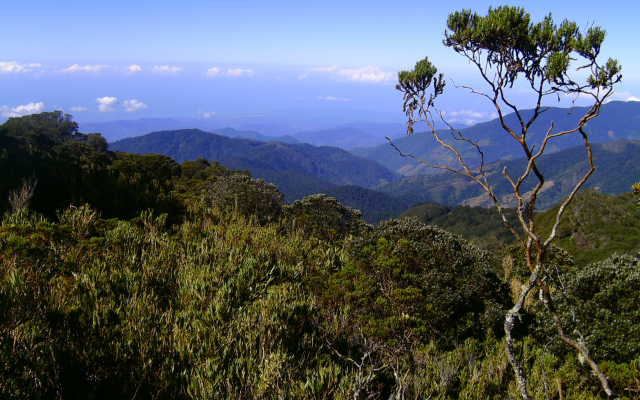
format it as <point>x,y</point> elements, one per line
<point>132,309</point>
<point>595,226</point>
<point>375,206</point>
<point>324,218</point>
<point>250,197</point>
<point>44,130</point>
<point>394,295</point>
<point>602,302</point>
<point>480,225</point>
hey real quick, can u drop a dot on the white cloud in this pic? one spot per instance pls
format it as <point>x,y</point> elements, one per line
<point>165,69</point>
<point>303,76</point>
<point>238,72</point>
<point>209,114</point>
<point>16,67</point>
<point>86,68</point>
<point>79,109</point>
<point>135,68</point>
<point>107,104</point>
<point>331,98</point>
<point>623,96</point>
<point>31,108</point>
<point>468,117</point>
<point>364,74</point>
<point>133,105</point>
<point>324,69</point>
<point>213,71</point>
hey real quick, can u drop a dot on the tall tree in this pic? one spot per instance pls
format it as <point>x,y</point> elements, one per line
<point>506,47</point>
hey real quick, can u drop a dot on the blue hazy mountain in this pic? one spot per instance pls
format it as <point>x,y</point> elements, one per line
<point>329,164</point>
<point>617,121</point>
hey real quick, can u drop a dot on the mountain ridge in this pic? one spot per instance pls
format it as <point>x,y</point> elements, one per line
<point>331,164</point>
<point>617,121</point>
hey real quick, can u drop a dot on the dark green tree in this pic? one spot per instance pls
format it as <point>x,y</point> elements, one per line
<point>406,285</point>
<point>324,218</point>
<point>507,47</point>
<point>241,194</point>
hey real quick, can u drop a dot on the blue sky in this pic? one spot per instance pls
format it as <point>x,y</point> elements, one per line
<point>124,60</point>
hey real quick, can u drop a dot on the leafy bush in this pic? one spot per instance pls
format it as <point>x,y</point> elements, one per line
<point>405,285</point>
<point>252,198</point>
<point>324,218</point>
<point>602,302</point>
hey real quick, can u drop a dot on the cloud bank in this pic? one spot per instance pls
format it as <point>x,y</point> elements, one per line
<point>87,68</point>
<point>623,96</point>
<point>364,74</point>
<point>165,69</point>
<point>331,98</point>
<point>212,72</point>
<point>468,117</point>
<point>15,67</point>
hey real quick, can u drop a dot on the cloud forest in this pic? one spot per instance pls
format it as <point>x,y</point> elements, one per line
<point>225,265</point>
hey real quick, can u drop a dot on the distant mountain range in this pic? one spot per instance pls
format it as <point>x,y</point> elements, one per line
<point>116,130</point>
<point>617,168</point>
<point>344,137</point>
<point>330,164</point>
<point>300,169</point>
<point>275,123</point>
<point>253,135</point>
<point>617,121</point>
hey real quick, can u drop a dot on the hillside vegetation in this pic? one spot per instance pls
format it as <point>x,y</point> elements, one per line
<point>616,170</point>
<point>160,280</point>
<point>482,226</point>
<point>595,226</point>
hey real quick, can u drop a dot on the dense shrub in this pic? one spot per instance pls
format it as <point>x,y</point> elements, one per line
<point>324,218</point>
<point>406,285</point>
<point>253,198</point>
<point>602,302</point>
<point>113,309</point>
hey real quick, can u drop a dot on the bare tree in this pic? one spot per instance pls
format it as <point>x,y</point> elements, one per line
<point>505,46</point>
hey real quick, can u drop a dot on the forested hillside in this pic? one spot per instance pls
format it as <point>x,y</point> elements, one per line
<point>482,226</point>
<point>596,225</point>
<point>327,163</point>
<point>616,170</point>
<point>133,276</point>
